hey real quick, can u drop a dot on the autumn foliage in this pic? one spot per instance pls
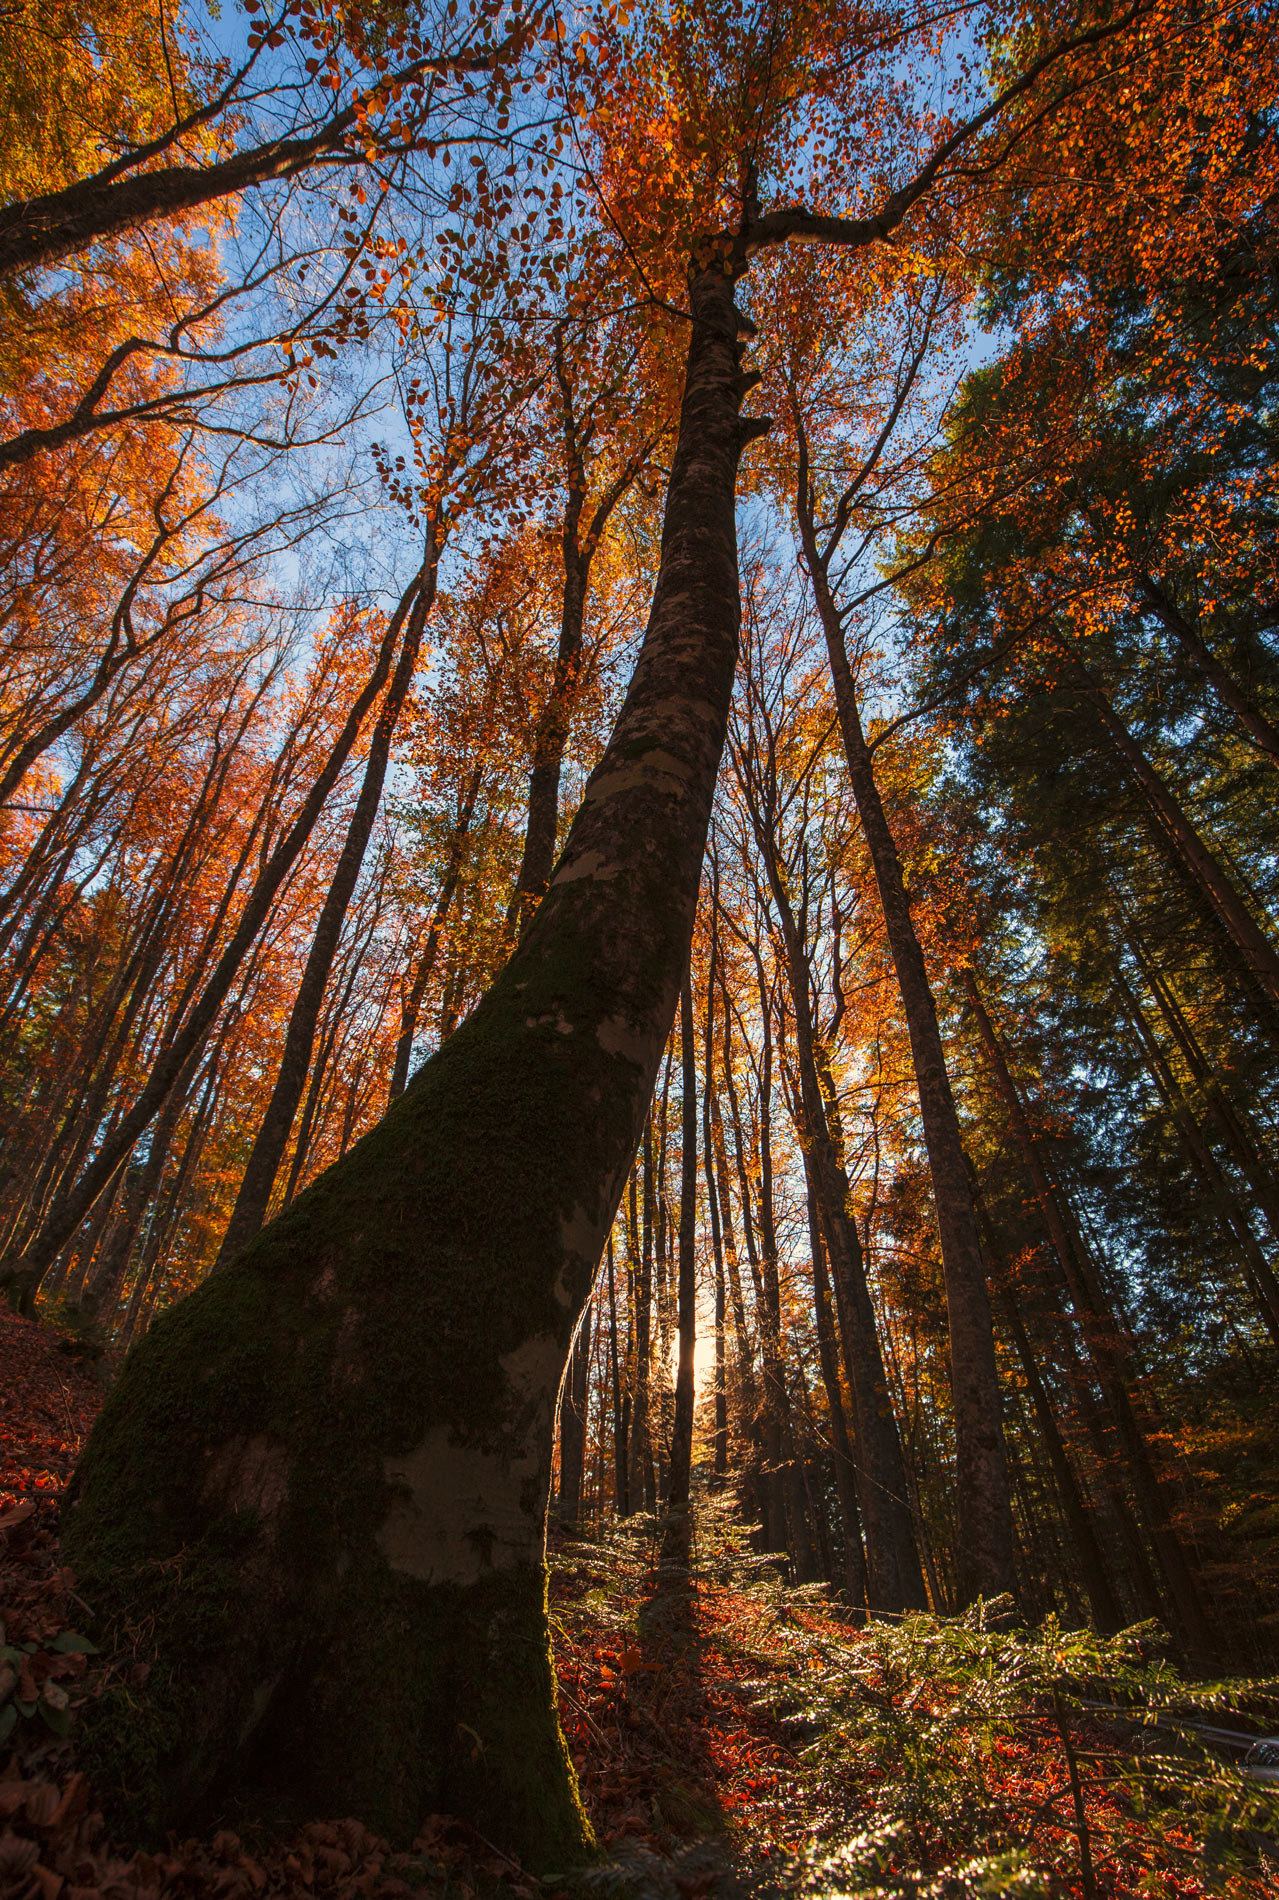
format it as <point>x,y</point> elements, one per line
<point>341,359</point>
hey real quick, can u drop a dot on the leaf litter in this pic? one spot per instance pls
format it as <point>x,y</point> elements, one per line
<point>733,1736</point>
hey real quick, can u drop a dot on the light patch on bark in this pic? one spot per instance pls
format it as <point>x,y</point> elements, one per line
<point>579,1235</point>
<point>590,864</point>
<point>562,1290</point>
<point>649,772</point>
<point>461,1512</point>
<point>558,1021</point>
<point>617,1037</point>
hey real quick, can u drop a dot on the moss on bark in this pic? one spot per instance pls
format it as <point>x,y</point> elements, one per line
<point>315,1499</point>
<point>231,1507</point>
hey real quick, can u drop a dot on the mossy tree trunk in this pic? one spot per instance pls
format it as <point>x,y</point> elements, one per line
<point>318,1489</point>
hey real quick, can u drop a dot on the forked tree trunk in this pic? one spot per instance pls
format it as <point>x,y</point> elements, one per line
<point>320,1483</point>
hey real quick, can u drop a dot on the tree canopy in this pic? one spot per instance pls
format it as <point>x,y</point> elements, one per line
<point>639,709</point>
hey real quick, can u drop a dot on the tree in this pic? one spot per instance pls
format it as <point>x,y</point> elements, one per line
<point>347,1434</point>
<point>985,1536</point>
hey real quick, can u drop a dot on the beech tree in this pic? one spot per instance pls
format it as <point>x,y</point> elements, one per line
<point>321,1479</point>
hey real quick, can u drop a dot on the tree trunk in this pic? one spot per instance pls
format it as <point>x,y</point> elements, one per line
<point>621,1487</point>
<point>1254,1166</point>
<point>578,550</point>
<point>272,1138</point>
<point>1116,1373</point>
<point>717,1249</point>
<point>712,1196</point>
<point>573,1423</point>
<point>551,737</point>
<point>1202,657</point>
<point>841,1445</point>
<point>984,1544</point>
<point>894,1578</point>
<point>641,1455</point>
<point>411,1003</point>
<point>676,1544</point>
<point>1258,1274</point>
<point>1251,940</point>
<point>1107,1615</point>
<point>320,1483</point>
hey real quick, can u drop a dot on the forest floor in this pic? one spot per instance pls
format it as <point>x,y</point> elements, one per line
<point>733,1737</point>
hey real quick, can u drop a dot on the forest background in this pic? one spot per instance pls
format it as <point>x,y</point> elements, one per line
<point>341,372</point>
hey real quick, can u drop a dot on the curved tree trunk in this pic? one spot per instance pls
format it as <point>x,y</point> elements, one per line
<point>320,1483</point>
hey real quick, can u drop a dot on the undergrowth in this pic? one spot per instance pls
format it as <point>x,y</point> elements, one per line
<point>734,1736</point>
<point>921,1756</point>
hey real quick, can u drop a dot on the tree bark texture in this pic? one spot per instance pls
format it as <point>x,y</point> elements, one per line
<point>321,1481</point>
